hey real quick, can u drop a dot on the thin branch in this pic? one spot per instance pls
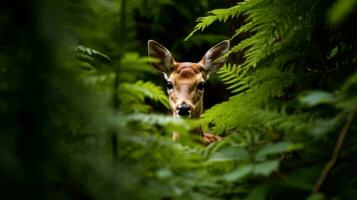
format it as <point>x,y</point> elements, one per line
<point>336,151</point>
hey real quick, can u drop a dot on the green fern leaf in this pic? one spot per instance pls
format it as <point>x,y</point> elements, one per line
<point>142,90</point>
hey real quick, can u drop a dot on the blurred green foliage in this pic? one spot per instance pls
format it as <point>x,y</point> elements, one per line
<point>84,115</point>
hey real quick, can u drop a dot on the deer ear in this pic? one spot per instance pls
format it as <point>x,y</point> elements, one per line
<point>213,59</point>
<point>164,58</point>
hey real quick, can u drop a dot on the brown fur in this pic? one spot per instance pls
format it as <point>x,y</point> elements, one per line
<point>185,78</point>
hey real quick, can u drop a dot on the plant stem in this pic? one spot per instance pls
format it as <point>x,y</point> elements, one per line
<point>122,37</point>
<point>336,151</point>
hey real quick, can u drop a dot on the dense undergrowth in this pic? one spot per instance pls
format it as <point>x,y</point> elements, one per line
<point>85,117</point>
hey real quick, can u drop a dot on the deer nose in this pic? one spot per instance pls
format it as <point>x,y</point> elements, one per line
<point>183,109</point>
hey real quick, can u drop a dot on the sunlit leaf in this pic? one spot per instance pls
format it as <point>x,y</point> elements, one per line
<point>266,168</point>
<point>92,53</point>
<point>275,148</point>
<point>317,196</point>
<point>238,173</point>
<point>340,10</point>
<point>230,154</point>
<point>164,173</point>
<point>316,98</point>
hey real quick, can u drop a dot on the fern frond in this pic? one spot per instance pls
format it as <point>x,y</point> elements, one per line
<point>233,76</point>
<point>134,67</point>
<point>221,15</point>
<point>90,59</point>
<point>248,106</point>
<point>89,53</point>
<point>138,91</point>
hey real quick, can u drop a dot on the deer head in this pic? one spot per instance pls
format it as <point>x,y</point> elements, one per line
<point>186,80</point>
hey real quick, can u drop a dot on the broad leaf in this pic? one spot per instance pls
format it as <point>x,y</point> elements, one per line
<point>230,154</point>
<point>275,148</point>
<point>238,173</point>
<point>266,168</point>
<point>316,98</point>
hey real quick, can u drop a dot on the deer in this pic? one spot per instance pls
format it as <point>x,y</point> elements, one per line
<point>186,81</point>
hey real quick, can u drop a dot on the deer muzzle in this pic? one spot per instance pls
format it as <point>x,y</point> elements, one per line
<point>184,110</point>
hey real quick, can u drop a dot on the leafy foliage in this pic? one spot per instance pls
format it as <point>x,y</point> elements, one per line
<point>269,101</point>
<point>80,102</point>
<point>136,93</point>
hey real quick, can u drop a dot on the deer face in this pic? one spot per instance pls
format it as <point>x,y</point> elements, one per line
<point>186,80</point>
<point>185,87</point>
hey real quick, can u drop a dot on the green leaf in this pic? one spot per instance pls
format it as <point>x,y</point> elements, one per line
<point>144,89</point>
<point>213,16</point>
<point>258,193</point>
<point>230,154</point>
<point>263,168</point>
<point>316,98</point>
<point>238,173</point>
<point>340,10</point>
<point>323,126</point>
<point>164,173</point>
<point>317,196</point>
<point>275,148</point>
<point>333,52</point>
<point>92,52</point>
<point>199,196</point>
<point>266,168</point>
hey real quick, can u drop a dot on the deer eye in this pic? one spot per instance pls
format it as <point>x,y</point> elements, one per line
<point>201,85</point>
<point>169,85</point>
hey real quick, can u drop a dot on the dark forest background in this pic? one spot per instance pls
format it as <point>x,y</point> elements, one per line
<point>84,116</point>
